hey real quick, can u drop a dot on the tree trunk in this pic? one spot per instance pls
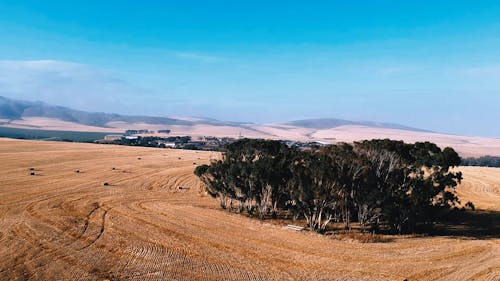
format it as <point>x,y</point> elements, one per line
<point>323,226</point>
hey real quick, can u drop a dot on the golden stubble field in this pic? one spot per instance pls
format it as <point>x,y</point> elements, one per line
<point>62,225</point>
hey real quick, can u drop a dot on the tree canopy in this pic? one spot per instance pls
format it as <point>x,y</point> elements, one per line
<point>376,183</point>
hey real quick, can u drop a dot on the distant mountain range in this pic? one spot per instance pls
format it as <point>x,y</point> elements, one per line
<point>328,123</point>
<point>19,109</point>
<point>29,115</point>
<point>12,109</point>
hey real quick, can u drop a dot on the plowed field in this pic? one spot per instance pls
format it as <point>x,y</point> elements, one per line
<point>152,222</point>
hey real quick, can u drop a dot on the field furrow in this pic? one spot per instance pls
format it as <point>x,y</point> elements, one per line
<point>60,224</point>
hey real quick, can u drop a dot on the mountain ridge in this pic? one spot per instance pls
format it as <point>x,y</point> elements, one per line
<point>327,123</point>
<point>42,116</point>
<point>18,109</point>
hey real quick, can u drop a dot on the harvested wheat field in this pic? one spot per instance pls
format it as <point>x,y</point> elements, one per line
<point>151,221</point>
<point>482,186</point>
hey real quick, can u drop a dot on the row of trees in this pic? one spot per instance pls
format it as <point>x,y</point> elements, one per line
<point>152,141</point>
<point>484,161</point>
<point>377,183</point>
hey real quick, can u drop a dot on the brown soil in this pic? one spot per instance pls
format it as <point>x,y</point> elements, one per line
<point>62,225</point>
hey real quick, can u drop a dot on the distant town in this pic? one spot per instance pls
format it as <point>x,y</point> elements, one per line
<point>148,138</point>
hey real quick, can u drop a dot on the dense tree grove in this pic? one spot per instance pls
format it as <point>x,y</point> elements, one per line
<point>377,183</point>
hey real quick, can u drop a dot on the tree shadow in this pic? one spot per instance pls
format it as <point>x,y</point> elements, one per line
<point>467,224</point>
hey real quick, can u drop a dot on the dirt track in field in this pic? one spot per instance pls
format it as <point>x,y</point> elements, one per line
<point>62,225</point>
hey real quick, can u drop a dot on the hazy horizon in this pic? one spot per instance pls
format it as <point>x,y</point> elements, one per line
<point>427,65</point>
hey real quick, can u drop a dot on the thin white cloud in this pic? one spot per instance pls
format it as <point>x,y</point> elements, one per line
<point>66,83</point>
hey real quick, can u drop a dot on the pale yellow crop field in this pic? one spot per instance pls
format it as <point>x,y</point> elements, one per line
<point>62,225</point>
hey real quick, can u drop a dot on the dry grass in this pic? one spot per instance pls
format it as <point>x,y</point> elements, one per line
<point>482,187</point>
<point>62,225</point>
<point>353,236</point>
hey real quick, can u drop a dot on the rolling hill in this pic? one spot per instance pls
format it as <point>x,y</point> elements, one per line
<point>17,109</point>
<point>41,116</point>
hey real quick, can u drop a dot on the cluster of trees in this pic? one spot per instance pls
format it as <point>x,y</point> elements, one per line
<point>484,161</point>
<point>152,141</point>
<point>377,183</point>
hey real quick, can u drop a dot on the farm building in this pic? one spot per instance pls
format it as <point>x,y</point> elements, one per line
<point>167,144</point>
<point>113,137</point>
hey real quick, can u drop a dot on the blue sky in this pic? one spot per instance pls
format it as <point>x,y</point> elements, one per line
<point>428,64</point>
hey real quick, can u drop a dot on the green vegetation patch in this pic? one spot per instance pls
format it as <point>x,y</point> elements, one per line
<point>32,134</point>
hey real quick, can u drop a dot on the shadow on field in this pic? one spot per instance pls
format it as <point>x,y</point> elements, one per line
<point>478,224</point>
